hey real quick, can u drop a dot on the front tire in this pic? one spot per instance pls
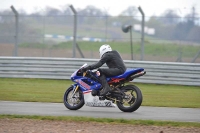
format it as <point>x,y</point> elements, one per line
<point>132,100</point>
<point>73,102</point>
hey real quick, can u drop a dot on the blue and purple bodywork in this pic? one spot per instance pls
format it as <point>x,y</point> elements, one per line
<point>87,85</point>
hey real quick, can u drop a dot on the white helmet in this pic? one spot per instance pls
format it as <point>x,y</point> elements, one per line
<point>103,49</point>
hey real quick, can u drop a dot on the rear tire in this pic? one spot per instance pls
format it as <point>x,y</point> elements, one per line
<point>73,102</point>
<point>133,99</point>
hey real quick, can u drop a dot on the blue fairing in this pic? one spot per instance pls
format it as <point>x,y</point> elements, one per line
<point>86,84</point>
<point>128,72</point>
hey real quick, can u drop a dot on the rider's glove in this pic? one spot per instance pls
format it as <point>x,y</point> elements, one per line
<point>86,68</point>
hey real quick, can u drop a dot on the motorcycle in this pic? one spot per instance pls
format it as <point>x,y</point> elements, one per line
<point>87,88</point>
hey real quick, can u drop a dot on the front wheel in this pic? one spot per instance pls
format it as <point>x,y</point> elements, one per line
<point>73,101</point>
<point>132,99</point>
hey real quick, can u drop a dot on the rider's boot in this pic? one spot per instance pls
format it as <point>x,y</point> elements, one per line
<point>106,87</point>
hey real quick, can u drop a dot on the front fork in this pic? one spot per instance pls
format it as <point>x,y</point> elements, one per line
<point>75,88</point>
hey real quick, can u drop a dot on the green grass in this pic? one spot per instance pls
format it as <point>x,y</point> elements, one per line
<point>169,50</point>
<point>170,95</point>
<point>152,49</point>
<point>36,90</point>
<point>43,90</point>
<point>105,120</point>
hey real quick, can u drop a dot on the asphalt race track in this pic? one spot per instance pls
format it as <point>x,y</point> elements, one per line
<point>143,113</point>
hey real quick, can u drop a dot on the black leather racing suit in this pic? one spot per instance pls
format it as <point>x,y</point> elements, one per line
<point>114,61</point>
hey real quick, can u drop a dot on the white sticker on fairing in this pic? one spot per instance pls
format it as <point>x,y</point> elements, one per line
<point>93,101</point>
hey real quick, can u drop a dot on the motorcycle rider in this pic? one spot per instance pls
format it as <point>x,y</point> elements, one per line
<point>115,65</point>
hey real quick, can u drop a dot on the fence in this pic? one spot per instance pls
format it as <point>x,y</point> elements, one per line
<point>62,68</point>
<point>167,39</point>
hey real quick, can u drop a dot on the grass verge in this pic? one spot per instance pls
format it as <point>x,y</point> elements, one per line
<point>105,120</point>
<point>152,49</point>
<point>43,90</point>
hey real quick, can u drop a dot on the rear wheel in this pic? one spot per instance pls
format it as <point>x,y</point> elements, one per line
<point>132,99</point>
<point>73,101</point>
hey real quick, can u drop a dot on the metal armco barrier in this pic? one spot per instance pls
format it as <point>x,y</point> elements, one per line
<point>62,68</point>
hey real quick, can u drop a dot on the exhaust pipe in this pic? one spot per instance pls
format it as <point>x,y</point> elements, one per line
<point>137,75</point>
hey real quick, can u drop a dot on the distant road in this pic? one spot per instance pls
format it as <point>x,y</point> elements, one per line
<point>58,109</point>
